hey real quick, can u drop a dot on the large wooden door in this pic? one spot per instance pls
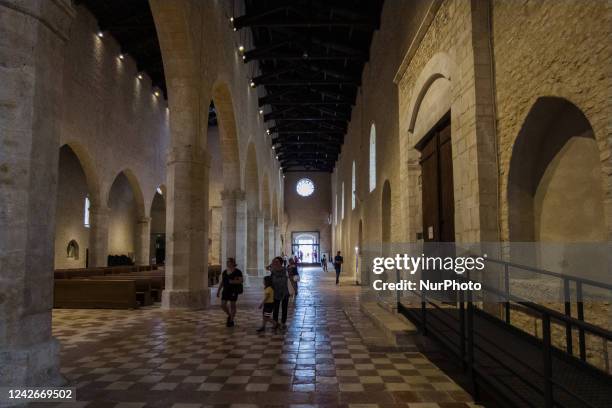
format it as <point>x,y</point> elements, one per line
<point>437,180</point>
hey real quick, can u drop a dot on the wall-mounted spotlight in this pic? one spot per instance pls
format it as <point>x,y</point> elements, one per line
<point>139,76</point>
<point>241,48</point>
<point>252,84</point>
<point>273,147</point>
<point>100,34</point>
<point>231,19</point>
<point>244,57</point>
<point>261,111</point>
<point>156,93</point>
<point>121,56</point>
<point>268,131</point>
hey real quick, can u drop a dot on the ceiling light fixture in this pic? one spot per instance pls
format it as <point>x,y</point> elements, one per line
<point>268,131</point>
<point>156,93</point>
<point>121,56</point>
<point>261,111</point>
<point>241,48</point>
<point>253,84</point>
<point>139,76</point>
<point>100,34</point>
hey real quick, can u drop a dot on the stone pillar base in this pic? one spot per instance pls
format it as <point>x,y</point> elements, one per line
<point>184,299</point>
<point>36,365</point>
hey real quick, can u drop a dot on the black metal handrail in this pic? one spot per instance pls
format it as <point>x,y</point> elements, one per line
<point>466,306</point>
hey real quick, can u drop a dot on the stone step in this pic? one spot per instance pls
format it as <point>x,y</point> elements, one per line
<point>397,330</point>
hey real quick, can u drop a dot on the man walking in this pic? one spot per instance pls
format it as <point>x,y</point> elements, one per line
<point>338,261</point>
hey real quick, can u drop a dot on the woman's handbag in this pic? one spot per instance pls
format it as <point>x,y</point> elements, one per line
<point>290,288</point>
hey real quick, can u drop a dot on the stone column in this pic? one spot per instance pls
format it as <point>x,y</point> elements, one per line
<point>269,250</point>
<point>143,241</point>
<point>234,232</point>
<point>255,249</point>
<point>277,240</point>
<point>98,235</point>
<point>31,56</point>
<point>186,229</point>
<point>215,236</point>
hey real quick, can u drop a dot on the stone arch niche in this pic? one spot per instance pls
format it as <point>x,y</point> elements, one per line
<point>555,188</point>
<point>126,212</point>
<point>255,221</point>
<point>76,183</point>
<point>228,135</point>
<point>157,247</point>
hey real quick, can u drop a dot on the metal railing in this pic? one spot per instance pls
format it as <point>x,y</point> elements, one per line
<point>453,324</point>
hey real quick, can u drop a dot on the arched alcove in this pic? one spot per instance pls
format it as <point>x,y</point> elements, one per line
<point>555,188</point>
<point>73,199</point>
<point>555,184</point>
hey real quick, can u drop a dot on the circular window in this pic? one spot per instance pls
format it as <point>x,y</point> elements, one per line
<point>305,187</point>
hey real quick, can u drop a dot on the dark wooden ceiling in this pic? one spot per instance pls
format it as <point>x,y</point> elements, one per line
<point>131,23</point>
<point>311,54</point>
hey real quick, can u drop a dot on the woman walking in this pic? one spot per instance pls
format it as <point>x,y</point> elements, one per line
<point>229,289</point>
<point>281,291</point>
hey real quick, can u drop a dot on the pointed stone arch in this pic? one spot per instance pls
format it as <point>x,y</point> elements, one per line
<point>228,133</point>
<point>141,210</point>
<point>89,169</point>
<point>251,179</point>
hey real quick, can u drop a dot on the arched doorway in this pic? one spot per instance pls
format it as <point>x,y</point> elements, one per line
<point>306,246</point>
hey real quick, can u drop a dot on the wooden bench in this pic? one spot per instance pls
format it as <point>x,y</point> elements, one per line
<point>94,294</point>
<point>142,286</point>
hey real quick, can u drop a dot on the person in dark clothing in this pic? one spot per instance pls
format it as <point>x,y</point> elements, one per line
<point>281,291</point>
<point>324,263</point>
<point>230,286</point>
<point>338,261</point>
<point>294,276</point>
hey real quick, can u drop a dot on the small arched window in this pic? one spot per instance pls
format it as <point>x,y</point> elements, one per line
<point>86,213</point>
<point>372,157</point>
<point>353,188</point>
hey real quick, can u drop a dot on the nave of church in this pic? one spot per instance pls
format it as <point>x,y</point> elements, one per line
<point>433,177</point>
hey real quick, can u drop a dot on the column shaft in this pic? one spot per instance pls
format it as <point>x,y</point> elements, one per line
<point>143,241</point>
<point>186,230</point>
<point>31,55</point>
<point>98,236</point>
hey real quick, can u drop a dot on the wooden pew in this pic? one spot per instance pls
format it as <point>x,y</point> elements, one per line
<point>94,294</point>
<point>142,286</point>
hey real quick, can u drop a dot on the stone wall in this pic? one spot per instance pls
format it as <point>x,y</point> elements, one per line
<point>71,193</point>
<point>552,48</point>
<point>377,103</point>
<point>112,118</point>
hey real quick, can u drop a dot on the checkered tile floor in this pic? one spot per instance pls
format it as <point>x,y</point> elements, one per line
<point>156,358</point>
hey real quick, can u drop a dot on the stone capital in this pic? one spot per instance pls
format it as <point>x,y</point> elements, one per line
<point>99,210</point>
<point>143,220</point>
<point>233,195</point>
<point>187,154</point>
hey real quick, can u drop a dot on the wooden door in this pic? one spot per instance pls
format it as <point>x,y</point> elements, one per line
<point>438,201</point>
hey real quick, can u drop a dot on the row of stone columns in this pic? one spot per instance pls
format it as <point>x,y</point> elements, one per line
<point>247,236</point>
